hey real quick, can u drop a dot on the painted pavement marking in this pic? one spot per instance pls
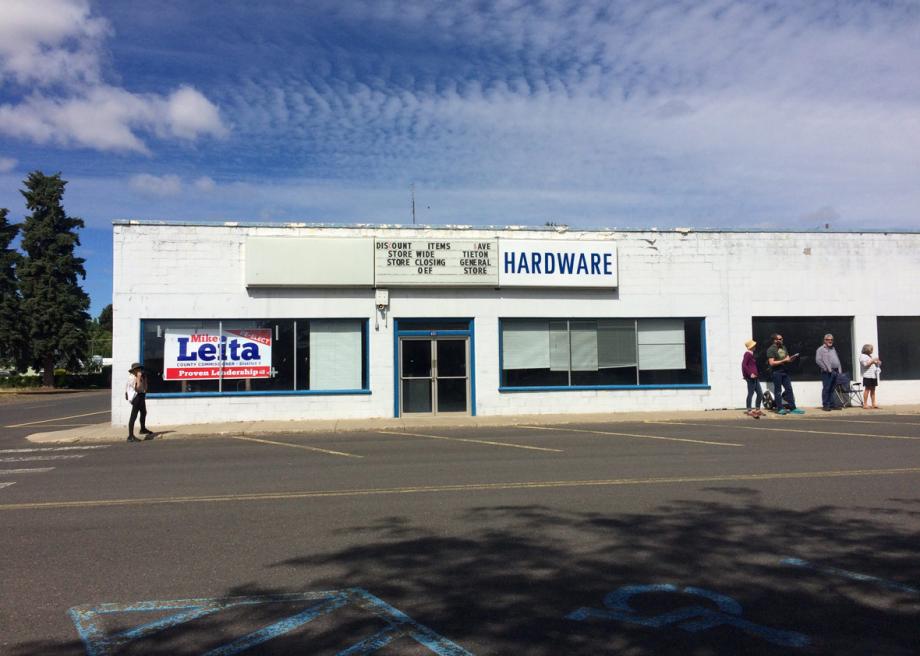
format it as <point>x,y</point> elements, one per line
<point>466,439</point>
<point>648,437</point>
<point>690,618</point>
<point>865,421</point>
<point>474,487</point>
<point>855,576</point>
<point>295,446</point>
<point>69,456</point>
<point>46,421</point>
<point>785,430</point>
<point>7,484</point>
<point>56,448</point>
<point>92,423</point>
<point>89,620</point>
<point>36,470</point>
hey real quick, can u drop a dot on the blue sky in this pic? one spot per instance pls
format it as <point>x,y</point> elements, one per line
<point>702,113</point>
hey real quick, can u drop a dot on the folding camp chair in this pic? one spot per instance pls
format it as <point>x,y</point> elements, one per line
<point>847,393</point>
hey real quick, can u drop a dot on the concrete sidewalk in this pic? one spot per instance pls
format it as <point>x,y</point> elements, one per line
<point>108,433</point>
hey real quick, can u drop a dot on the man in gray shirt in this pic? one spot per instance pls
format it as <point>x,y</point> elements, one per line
<point>829,364</point>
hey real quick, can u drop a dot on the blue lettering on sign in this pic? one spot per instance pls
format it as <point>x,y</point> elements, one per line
<point>566,260</point>
<point>208,351</point>
<point>399,626</point>
<point>548,263</point>
<point>522,264</point>
<point>690,618</point>
<point>535,258</point>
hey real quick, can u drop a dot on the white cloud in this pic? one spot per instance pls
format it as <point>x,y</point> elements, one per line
<point>7,164</point>
<point>153,185</point>
<point>53,48</point>
<point>205,184</point>
<point>50,41</point>
<point>188,114</point>
<point>743,111</point>
<point>108,118</point>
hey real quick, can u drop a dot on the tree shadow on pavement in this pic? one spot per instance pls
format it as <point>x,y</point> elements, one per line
<point>504,579</point>
<point>508,586</point>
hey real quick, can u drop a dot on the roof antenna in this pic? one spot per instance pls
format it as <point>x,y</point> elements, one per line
<point>412,187</point>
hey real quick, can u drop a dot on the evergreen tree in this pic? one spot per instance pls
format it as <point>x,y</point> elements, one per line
<point>12,336</point>
<point>100,333</point>
<point>105,318</point>
<point>54,305</point>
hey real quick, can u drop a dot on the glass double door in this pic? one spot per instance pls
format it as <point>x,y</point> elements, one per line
<point>434,375</point>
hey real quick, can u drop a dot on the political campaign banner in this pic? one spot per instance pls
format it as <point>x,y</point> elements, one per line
<point>209,354</point>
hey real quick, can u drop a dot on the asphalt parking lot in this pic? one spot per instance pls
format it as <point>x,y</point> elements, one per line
<point>784,535</point>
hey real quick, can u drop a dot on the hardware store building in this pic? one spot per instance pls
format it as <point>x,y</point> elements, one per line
<point>247,322</point>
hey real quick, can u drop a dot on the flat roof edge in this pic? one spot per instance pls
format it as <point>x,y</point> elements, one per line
<point>560,229</point>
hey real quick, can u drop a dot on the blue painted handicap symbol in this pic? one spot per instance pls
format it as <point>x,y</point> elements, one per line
<point>90,621</point>
<point>690,618</point>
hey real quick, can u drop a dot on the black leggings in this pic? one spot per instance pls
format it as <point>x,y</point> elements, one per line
<point>138,405</point>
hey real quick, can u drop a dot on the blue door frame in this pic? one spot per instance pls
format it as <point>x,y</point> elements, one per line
<point>412,328</point>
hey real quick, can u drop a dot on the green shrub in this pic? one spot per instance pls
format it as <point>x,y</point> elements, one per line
<point>63,380</point>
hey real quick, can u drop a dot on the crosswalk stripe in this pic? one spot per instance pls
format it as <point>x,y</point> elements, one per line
<point>56,448</point>
<point>25,458</point>
<point>36,470</point>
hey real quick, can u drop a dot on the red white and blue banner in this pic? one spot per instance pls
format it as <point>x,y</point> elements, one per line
<point>209,354</point>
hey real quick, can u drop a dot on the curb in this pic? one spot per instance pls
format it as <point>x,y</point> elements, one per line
<point>106,432</point>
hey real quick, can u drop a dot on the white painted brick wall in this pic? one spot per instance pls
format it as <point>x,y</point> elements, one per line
<point>176,271</point>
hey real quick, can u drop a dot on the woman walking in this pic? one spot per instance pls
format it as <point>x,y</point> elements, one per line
<point>136,395</point>
<point>870,368</point>
<point>749,372</point>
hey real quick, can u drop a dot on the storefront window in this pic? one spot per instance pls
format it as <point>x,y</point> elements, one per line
<point>802,335</point>
<point>899,347</point>
<point>255,355</point>
<point>601,352</point>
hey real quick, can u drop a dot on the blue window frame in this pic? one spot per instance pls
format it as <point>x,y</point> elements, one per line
<point>308,356</point>
<point>552,354</point>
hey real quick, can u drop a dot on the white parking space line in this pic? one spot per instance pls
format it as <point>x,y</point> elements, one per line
<point>648,437</point>
<point>472,441</point>
<point>2,485</point>
<point>26,458</point>
<point>36,470</point>
<point>295,446</point>
<point>864,421</point>
<point>787,430</point>
<point>56,448</point>
<point>48,421</point>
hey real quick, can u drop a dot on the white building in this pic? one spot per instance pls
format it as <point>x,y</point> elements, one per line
<point>240,322</point>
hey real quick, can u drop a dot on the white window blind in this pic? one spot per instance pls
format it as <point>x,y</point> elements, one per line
<point>525,344</point>
<point>616,343</point>
<point>559,345</point>
<point>661,344</point>
<point>335,354</point>
<point>584,345</point>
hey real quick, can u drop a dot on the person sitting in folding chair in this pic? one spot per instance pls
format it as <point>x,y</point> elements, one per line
<point>829,363</point>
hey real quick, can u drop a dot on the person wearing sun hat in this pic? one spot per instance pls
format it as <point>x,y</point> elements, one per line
<point>749,373</point>
<point>136,395</point>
